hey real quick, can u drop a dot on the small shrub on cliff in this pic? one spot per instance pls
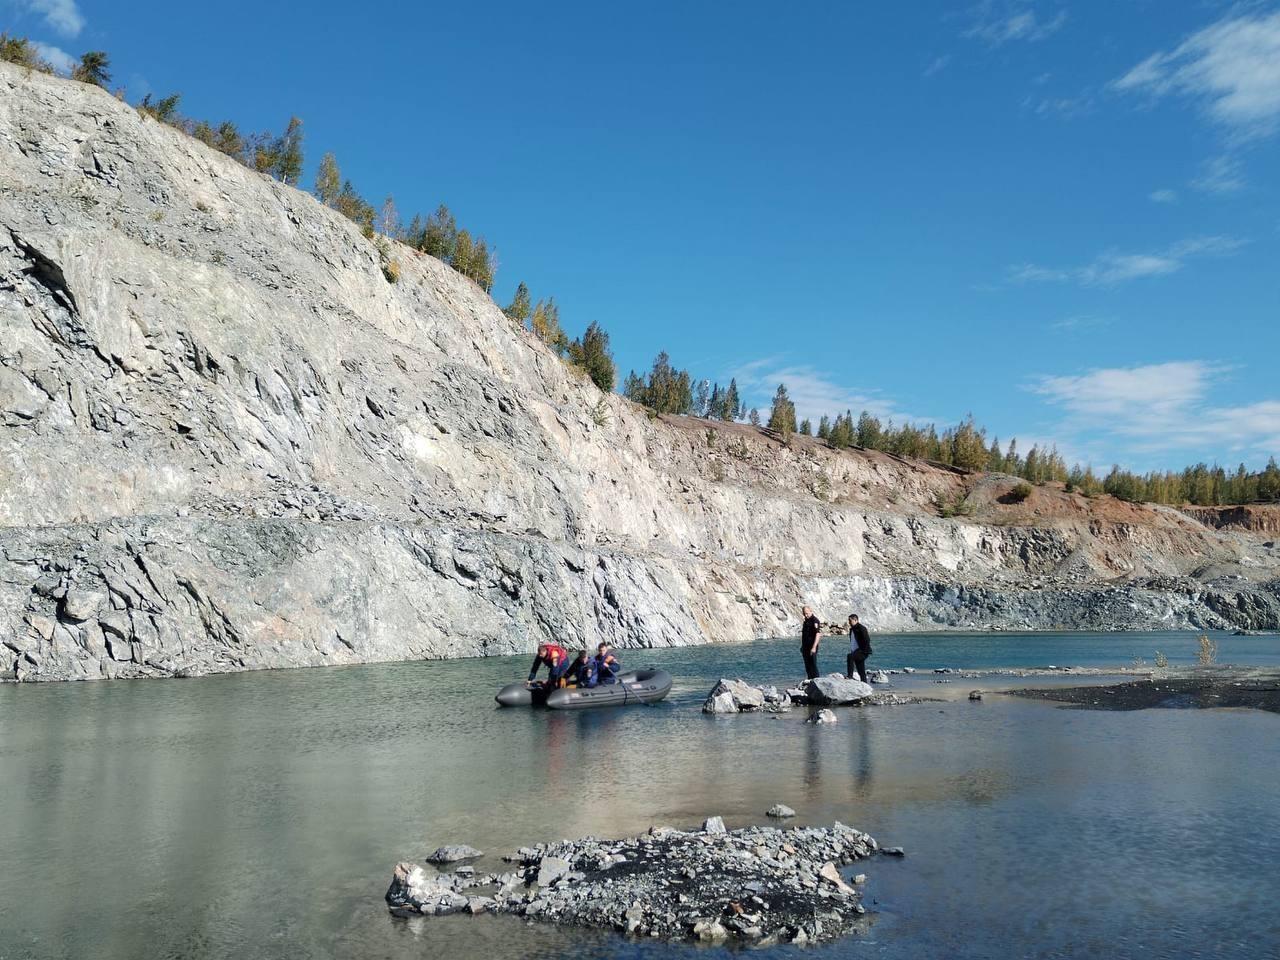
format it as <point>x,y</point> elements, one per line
<point>1019,493</point>
<point>94,67</point>
<point>23,52</point>
<point>957,507</point>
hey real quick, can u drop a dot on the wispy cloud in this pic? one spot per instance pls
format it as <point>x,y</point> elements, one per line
<point>1163,196</point>
<point>1232,67</point>
<point>1161,407</point>
<point>814,392</point>
<point>1068,107</point>
<point>997,22</point>
<point>1221,174</point>
<point>64,16</point>
<point>1081,321</point>
<point>56,57</point>
<point>937,65</point>
<point>1113,267</point>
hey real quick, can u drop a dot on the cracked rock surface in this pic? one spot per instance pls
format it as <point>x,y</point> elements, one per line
<point>228,442</point>
<point>757,885</point>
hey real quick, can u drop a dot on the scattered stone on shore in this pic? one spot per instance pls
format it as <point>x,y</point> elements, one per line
<point>975,694</point>
<point>453,853</point>
<point>780,811</point>
<point>757,885</point>
<point>1259,689</point>
<point>824,716</point>
<point>714,825</point>
<point>738,696</point>
<point>878,676</point>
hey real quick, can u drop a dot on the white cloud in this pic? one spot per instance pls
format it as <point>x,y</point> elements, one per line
<point>938,64</point>
<point>1162,407</point>
<point>1163,196</point>
<point>1221,174</point>
<point>1232,66</point>
<point>998,23</point>
<point>58,58</point>
<point>1113,267</point>
<point>813,391</point>
<point>63,16</point>
<point>1082,321</point>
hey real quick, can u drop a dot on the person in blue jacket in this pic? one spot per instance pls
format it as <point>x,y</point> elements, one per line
<point>607,665</point>
<point>583,673</point>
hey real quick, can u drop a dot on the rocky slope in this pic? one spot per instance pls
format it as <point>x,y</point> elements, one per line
<point>228,442</point>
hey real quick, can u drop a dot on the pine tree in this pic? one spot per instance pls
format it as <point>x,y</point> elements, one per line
<point>440,237</point>
<point>328,180</point>
<point>482,268</point>
<point>463,251</point>
<point>229,140</point>
<point>715,405</point>
<point>351,205</point>
<point>595,357</point>
<point>519,307</point>
<point>286,153</point>
<point>94,67</point>
<point>782,415</point>
<point>754,417</point>
<point>824,427</point>
<point>732,402</point>
<point>867,433</point>
<point>165,110</point>
<point>806,427</point>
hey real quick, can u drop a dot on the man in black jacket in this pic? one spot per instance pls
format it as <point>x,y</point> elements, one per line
<point>810,636</point>
<point>859,649</point>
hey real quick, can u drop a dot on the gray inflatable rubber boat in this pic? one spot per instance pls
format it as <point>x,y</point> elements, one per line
<point>635,686</point>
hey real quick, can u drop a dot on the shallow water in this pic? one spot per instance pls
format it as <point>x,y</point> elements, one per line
<point>259,815</point>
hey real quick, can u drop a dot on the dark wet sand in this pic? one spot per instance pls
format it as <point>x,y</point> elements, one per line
<point>1261,691</point>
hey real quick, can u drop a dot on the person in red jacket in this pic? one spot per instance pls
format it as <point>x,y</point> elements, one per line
<point>556,659</point>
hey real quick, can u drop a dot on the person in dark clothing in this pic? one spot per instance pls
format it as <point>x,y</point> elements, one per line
<point>859,649</point>
<point>583,673</point>
<point>607,665</point>
<point>556,659</point>
<point>810,637</point>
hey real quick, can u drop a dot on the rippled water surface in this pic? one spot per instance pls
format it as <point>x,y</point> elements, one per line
<point>259,815</point>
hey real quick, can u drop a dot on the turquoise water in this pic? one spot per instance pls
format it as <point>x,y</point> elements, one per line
<point>259,815</point>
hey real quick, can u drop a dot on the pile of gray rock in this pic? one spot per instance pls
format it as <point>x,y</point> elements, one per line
<point>738,696</point>
<point>757,885</point>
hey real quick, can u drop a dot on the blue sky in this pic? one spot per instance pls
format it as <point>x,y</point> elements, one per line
<point>1061,217</point>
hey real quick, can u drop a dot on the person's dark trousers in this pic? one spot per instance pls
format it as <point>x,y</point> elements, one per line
<point>810,662</point>
<point>856,662</point>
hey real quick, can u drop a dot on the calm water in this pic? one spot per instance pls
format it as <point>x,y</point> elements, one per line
<point>259,815</point>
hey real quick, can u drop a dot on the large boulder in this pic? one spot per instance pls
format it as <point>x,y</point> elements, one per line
<point>741,694</point>
<point>836,689</point>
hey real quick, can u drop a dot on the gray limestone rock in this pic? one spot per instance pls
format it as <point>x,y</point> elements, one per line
<point>452,853</point>
<point>836,690</point>
<point>214,403</point>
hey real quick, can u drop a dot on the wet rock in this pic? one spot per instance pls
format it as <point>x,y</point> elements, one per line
<point>741,694</point>
<point>757,885</point>
<point>780,811</point>
<point>713,825</point>
<point>836,689</point>
<point>550,870</point>
<point>975,694</point>
<point>878,676</point>
<point>452,853</point>
<point>823,716</point>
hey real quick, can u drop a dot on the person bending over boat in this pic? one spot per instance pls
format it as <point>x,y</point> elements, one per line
<point>607,665</point>
<point>556,659</point>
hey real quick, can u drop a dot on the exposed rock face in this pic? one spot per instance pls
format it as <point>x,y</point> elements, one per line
<point>228,442</point>
<point>836,689</point>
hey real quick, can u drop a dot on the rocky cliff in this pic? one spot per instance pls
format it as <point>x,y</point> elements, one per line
<point>227,442</point>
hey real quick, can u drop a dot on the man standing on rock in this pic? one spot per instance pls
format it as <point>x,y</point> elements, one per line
<point>859,649</point>
<point>810,637</point>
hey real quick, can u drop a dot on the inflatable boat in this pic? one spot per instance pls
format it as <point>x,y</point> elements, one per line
<point>635,686</point>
